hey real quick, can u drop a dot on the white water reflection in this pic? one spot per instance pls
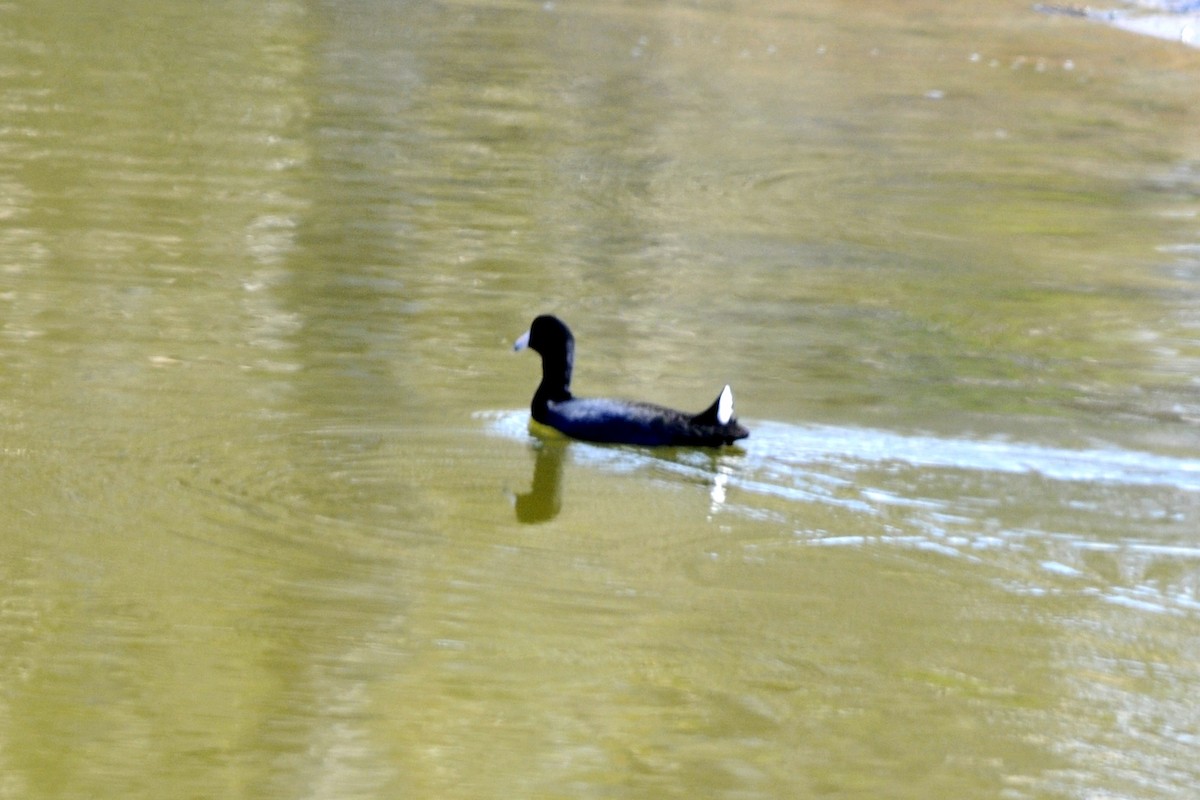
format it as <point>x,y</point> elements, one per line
<point>774,446</point>
<point>1108,522</point>
<point>865,447</point>
<point>1161,19</point>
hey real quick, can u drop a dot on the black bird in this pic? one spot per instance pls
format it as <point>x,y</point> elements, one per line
<point>616,421</point>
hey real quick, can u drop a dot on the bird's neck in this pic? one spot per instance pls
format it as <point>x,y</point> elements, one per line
<point>556,378</point>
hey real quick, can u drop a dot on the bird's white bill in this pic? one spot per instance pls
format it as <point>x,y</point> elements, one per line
<point>522,342</point>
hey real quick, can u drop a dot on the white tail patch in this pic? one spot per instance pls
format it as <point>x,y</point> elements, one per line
<point>725,406</point>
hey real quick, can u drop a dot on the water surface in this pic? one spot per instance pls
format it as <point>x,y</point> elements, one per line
<point>275,523</point>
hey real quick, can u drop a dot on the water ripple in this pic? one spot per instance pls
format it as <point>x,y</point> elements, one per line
<point>1104,522</point>
<point>779,448</point>
<point>848,447</point>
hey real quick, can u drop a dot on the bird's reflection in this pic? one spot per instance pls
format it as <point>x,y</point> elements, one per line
<point>544,499</point>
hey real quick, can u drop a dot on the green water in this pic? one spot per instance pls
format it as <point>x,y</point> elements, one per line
<point>273,523</point>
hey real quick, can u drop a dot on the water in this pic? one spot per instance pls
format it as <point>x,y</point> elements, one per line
<point>275,523</point>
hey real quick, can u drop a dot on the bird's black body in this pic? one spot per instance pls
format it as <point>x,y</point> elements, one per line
<point>616,421</point>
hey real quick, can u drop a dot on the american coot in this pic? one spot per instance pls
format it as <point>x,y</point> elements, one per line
<point>616,421</point>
